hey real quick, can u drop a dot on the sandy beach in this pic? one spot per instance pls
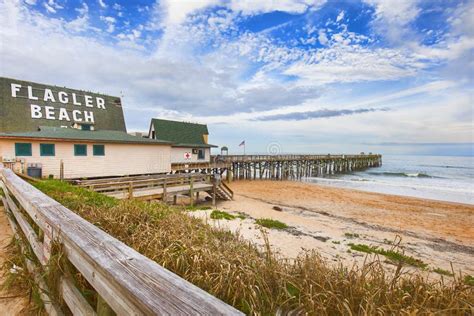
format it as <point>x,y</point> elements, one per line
<point>329,219</point>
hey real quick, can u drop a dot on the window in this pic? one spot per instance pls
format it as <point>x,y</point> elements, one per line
<point>22,149</point>
<point>98,150</point>
<point>80,150</point>
<point>47,150</point>
<point>201,154</point>
<point>85,127</point>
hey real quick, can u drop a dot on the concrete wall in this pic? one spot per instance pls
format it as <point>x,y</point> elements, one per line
<point>119,159</point>
<point>177,155</point>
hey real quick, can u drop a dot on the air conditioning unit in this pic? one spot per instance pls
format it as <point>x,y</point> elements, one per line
<point>195,151</point>
<point>8,159</point>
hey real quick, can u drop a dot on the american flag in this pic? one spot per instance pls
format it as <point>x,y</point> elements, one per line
<point>242,143</point>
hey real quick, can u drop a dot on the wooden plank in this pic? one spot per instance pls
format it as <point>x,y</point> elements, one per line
<point>28,231</point>
<point>30,265</point>
<point>74,299</point>
<point>128,281</point>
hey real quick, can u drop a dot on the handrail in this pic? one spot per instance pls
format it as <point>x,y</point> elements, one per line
<point>238,158</point>
<point>227,188</point>
<point>129,283</point>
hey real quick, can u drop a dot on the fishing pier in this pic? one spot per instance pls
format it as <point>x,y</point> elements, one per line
<point>293,167</point>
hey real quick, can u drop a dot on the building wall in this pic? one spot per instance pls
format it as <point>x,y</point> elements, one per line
<point>177,155</point>
<point>119,159</point>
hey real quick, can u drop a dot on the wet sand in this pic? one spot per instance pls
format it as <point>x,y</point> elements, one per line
<point>328,219</point>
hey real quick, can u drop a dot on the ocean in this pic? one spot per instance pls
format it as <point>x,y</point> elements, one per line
<point>431,177</point>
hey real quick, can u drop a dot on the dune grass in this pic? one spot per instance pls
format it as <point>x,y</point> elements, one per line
<point>255,281</point>
<point>216,214</point>
<point>394,256</point>
<point>271,223</point>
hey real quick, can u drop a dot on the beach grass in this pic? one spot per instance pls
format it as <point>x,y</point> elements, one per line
<point>443,272</point>
<point>257,281</point>
<point>271,223</point>
<point>351,235</point>
<point>392,255</point>
<point>216,214</point>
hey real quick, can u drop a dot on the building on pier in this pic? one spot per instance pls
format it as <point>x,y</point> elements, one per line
<point>190,140</point>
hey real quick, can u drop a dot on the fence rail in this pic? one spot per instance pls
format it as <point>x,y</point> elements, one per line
<point>126,282</point>
<point>247,158</point>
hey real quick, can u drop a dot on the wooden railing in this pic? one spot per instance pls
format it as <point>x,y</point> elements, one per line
<point>238,158</point>
<point>126,282</point>
<point>135,183</point>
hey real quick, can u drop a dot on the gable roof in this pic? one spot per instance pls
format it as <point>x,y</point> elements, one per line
<point>181,133</point>
<point>62,134</point>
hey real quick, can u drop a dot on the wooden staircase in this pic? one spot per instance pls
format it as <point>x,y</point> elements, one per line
<point>222,192</point>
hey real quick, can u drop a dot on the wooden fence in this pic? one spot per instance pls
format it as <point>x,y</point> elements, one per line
<point>127,283</point>
<point>159,186</point>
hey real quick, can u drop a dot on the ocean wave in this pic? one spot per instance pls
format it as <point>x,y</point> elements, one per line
<point>448,167</point>
<point>403,174</point>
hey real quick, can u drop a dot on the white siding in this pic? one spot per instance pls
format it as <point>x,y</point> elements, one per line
<point>177,155</point>
<point>119,159</point>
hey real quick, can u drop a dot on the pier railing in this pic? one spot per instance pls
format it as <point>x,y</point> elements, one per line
<point>239,158</point>
<point>283,167</point>
<point>126,282</point>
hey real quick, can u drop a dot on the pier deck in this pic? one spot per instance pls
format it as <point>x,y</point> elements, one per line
<point>282,167</point>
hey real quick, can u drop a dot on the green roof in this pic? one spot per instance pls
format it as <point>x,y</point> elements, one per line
<point>60,133</point>
<point>181,133</point>
<point>15,112</point>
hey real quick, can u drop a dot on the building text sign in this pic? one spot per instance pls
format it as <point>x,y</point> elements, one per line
<point>80,101</point>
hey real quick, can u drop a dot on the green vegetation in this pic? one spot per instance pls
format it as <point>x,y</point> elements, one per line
<point>198,208</point>
<point>271,223</point>
<point>351,235</point>
<point>336,242</point>
<point>224,215</point>
<point>259,281</point>
<point>443,272</point>
<point>392,255</point>
<point>469,280</point>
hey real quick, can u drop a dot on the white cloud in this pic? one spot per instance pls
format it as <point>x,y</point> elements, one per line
<point>340,16</point>
<point>323,39</point>
<point>102,4</point>
<point>49,8</point>
<point>393,18</point>
<point>173,12</point>
<point>251,7</point>
<point>83,9</point>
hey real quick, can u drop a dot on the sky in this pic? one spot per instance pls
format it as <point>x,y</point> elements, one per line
<point>288,76</point>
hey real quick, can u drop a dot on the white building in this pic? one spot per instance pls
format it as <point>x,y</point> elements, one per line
<point>190,140</point>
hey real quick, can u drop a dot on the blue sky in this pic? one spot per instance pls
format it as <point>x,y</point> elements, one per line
<point>291,75</point>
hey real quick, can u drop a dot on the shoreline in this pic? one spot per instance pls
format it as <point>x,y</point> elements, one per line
<point>329,220</point>
<point>403,192</point>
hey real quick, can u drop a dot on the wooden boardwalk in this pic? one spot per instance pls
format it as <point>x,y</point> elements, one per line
<point>126,282</point>
<point>159,186</point>
<point>157,192</point>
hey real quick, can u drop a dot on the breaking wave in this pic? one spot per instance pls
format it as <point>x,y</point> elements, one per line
<point>403,174</point>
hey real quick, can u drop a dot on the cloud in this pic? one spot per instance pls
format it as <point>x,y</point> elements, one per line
<point>174,12</point>
<point>393,19</point>
<point>324,113</point>
<point>340,16</point>
<point>251,7</point>
<point>102,4</point>
<point>345,63</point>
